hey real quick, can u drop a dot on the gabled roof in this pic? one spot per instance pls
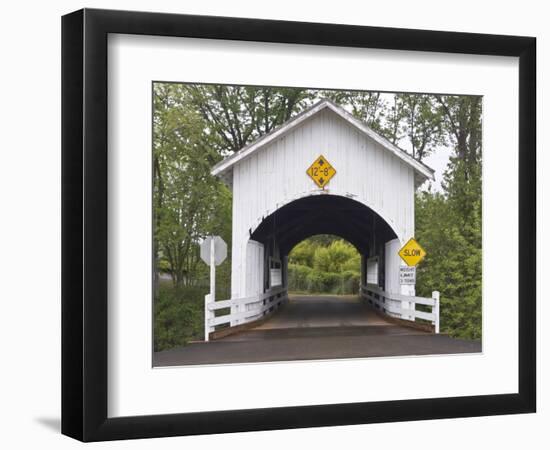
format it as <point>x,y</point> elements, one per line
<point>223,168</point>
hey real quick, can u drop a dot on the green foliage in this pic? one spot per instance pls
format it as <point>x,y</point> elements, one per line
<point>303,253</point>
<point>303,279</point>
<point>452,265</point>
<point>336,256</point>
<point>324,264</point>
<point>178,316</point>
<point>163,265</point>
<point>188,202</point>
<point>422,123</point>
<point>370,107</point>
<point>448,225</point>
<point>238,115</point>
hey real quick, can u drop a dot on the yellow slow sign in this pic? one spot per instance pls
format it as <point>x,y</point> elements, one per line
<point>412,253</point>
<point>321,171</point>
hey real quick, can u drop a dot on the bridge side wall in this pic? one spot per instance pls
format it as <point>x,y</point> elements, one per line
<point>276,175</point>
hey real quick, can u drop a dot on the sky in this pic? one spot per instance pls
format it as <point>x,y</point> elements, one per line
<point>438,161</point>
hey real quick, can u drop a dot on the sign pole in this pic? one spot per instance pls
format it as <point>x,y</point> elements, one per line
<point>211,297</point>
<point>212,270</point>
<point>213,252</point>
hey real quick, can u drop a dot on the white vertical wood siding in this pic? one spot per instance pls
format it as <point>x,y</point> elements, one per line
<point>372,270</point>
<point>254,278</point>
<point>393,261</point>
<point>276,175</point>
<point>250,282</point>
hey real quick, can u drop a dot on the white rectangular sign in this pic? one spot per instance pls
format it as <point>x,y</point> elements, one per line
<point>407,275</point>
<point>276,277</point>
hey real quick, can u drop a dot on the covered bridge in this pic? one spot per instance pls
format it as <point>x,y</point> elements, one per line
<point>322,172</point>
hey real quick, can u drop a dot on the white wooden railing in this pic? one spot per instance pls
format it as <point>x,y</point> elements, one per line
<point>243,310</point>
<point>402,306</point>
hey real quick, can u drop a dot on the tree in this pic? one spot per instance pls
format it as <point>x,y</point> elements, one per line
<point>324,264</point>
<point>452,265</point>
<point>333,257</point>
<point>303,253</point>
<point>392,128</point>
<point>422,123</point>
<point>241,114</point>
<point>368,107</point>
<point>449,223</point>
<point>462,121</point>
<point>187,199</point>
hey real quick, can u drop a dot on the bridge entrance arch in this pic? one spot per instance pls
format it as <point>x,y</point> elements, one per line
<point>346,218</point>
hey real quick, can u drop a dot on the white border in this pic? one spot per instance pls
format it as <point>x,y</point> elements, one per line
<point>135,388</point>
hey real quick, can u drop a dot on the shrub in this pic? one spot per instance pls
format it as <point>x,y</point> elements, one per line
<point>298,277</point>
<point>303,254</point>
<point>324,264</point>
<point>178,316</point>
<point>335,256</point>
<point>305,279</point>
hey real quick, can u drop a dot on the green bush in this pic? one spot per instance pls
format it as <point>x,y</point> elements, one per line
<point>305,279</point>
<point>335,256</point>
<point>324,264</point>
<point>163,265</point>
<point>453,264</point>
<point>303,253</point>
<point>179,316</point>
<point>298,277</point>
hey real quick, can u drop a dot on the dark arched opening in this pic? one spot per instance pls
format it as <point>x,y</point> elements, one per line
<point>320,214</point>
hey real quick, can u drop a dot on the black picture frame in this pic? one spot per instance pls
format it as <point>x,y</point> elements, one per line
<point>84,224</point>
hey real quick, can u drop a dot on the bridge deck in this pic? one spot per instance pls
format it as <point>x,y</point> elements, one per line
<point>321,327</point>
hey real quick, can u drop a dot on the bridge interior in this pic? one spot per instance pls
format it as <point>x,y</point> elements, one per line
<point>323,315</point>
<point>322,214</point>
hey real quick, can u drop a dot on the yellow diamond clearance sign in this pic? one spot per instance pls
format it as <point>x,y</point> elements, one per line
<point>321,171</point>
<point>412,253</point>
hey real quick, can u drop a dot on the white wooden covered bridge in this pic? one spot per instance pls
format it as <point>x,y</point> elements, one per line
<point>322,172</point>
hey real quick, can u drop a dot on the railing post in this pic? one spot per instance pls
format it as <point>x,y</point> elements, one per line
<point>435,310</point>
<point>412,307</point>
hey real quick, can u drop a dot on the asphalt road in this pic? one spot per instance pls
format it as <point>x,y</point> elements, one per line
<point>307,328</point>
